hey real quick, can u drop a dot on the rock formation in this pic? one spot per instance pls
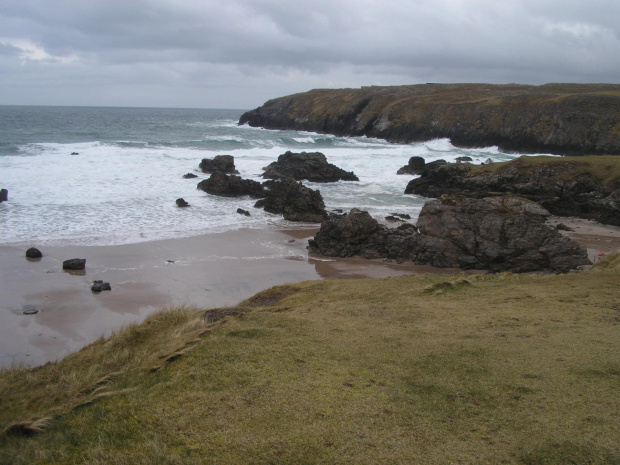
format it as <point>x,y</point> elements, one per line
<point>566,119</point>
<point>33,252</point>
<point>4,195</point>
<point>224,185</point>
<point>189,176</point>
<point>218,164</point>
<point>312,166</point>
<point>415,166</point>
<point>293,200</point>
<point>586,187</point>
<point>496,234</point>
<point>182,203</point>
<point>74,264</point>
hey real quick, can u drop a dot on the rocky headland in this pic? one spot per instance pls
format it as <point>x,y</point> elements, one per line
<point>565,119</point>
<point>585,187</point>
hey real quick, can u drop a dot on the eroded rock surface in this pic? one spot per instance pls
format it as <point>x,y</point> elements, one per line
<point>496,234</point>
<point>311,166</point>
<point>219,164</point>
<point>294,201</point>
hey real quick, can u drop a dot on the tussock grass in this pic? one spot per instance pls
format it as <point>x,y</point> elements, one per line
<point>605,169</point>
<point>415,369</point>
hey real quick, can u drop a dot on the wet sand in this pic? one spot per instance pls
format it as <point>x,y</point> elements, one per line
<point>207,271</point>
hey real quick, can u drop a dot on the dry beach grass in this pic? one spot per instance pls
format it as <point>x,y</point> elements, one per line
<point>411,369</point>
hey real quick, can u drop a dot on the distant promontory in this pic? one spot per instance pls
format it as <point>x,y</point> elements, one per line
<point>565,119</point>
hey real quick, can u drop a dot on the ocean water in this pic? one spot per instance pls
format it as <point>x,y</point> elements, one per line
<point>122,186</point>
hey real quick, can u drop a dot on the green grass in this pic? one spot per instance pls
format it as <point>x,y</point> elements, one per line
<point>603,168</point>
<point>417,369</point>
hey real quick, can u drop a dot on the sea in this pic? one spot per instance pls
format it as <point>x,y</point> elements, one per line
<point>106,176</point>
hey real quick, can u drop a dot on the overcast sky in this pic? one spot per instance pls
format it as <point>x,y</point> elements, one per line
<point>240,53</point>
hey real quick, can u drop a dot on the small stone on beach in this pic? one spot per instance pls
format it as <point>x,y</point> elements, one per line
<point>33,252</point>
<point>74,264</point>
<point>99,286</point>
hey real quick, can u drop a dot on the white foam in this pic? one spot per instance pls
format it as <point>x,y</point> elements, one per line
<point>125,192</point>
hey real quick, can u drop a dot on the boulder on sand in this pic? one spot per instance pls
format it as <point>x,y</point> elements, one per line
<point>33,252</point>
<point>310,166</point>
<point>495,234</point>
<point>74,264</point>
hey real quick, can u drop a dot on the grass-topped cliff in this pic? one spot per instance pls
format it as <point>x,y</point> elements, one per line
<point>416,369</point>
<point>586,187</point>
<point>567,119</point>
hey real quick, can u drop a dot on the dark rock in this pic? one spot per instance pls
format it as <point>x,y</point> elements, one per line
<point>403,216</point>
<point>496,234</point>
<point>99,286</point>
<point>564,186</point>
<point>74,264</point>
<point>218,164</point>
<point>224,185</point>
<point>4,195</point>
<point>30,311</point>
<point>294,201</point>
<point>181,202</point>
<point>75,153</point>
<point>563,227</point>
<point>488,161</point>
<point>241,211</point>
<point>190,176</point>
<point>463,159</point>
<point>415,166</point>
<point>309,166</point>
<point>33,252</point>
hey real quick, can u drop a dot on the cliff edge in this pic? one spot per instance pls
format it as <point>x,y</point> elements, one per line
<point>565,119</point>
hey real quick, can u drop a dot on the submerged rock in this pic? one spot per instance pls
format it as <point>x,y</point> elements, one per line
<point>241,211</point>
<point>496,234</point>
<point>311,166</point>
<point>4,195</point>
<point>218,164</point>
<point>189,176</point>
<point>182,203</point>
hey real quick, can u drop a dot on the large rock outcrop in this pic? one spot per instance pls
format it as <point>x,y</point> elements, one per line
<point>496,234</point>
<point>223,185</point>
<point>586,187</point>
<point>218,164</point>
<point>311,166</point>
<point>293,200</point>
<point>567,119</point>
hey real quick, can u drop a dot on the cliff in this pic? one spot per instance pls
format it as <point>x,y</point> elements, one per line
<point>566,119</point>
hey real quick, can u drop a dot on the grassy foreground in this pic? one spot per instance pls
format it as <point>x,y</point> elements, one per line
<point>430,369</point>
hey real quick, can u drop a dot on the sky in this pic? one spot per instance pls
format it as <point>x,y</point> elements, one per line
<point>240,53</point>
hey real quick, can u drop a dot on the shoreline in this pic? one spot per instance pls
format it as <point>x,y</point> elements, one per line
<point>208,271</point>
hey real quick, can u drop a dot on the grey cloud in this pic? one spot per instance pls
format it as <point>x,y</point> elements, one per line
<point>262,44</point>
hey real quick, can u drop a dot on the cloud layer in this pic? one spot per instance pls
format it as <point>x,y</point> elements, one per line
<point>239,53</point>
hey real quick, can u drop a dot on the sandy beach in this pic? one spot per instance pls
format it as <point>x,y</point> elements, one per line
<point>207,271</point>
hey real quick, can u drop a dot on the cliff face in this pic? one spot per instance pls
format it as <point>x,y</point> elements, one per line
<point>567,119</point>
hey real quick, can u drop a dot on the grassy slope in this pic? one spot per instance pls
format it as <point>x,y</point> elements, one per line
<point>500,369</point>
<point>603,168</point>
